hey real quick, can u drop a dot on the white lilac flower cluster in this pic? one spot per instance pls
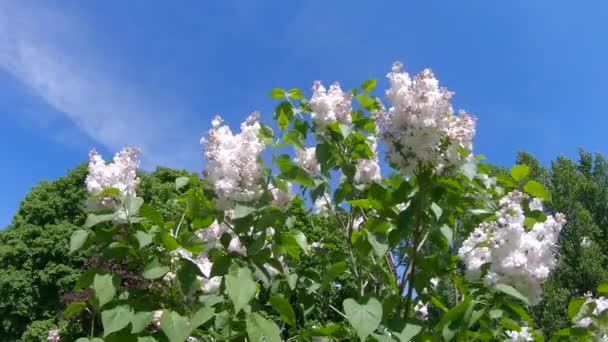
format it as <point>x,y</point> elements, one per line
<point>211,236</point>
<point>53,335</point>
<point>234,169</point>
<point>600,305</point>
<point>330,106</point>
<point>518,256</point>
<point>121,174</point>
<point>322,205</point>
<point>420,130</point>
<point>281,199</point>
<point>524,335</point>
<point>421,310</point>
<point>306,159</point>
<point>368,170</point>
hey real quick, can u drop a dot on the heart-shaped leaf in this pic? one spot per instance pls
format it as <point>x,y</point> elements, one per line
<point>365,318</point>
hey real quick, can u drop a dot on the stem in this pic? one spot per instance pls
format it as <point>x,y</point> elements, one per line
<point>417,246</point>
<point>338,311</point>
<point>179,225</point>
<point>92,333</point>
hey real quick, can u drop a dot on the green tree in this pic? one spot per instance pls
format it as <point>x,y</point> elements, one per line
<point>36,267</point>
<point>580,191</point>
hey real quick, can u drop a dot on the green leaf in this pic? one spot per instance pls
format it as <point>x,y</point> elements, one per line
<point>133,204</point>
<point>437,211</point>
<point>535,189</point>
<point>109,192</point>
<point>284,309</point>
<point>78,239</point>
<point>361,203</point>
<point>300,239</point>
<point>409,331</point>
<point>365,318</point>
<point>105,288</point>
<point>519,172</point>
<point>241,211</point>
<point>444,328</point>
<point>154,270</point>
<point>283,121</point>
<point>144,339</point>
<point>293,242</point>
<point>295,94</point>
<point>447,233</point>
<point>379,242</point>
<point>369,85</point>
<point>169,241</point>
<point>74,309</point>
<point>240,286</point>
<point>116,319</point>
<point>331,330</point>
<point>334,271</point>
<point>175,326</point>
<point>574,307</point>
<point>93,220</point>
<point>151,214</point>
<point>511,291</point>
<point>277,93</point>
<point>260,329</point>
<point>181,182</point>
<point>140,321</point>
<point>602,288</point>
<point>366,101</point>
<point>143,239</point>
<point>203,315</point>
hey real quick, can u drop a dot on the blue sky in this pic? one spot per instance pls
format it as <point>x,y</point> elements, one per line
<point>81,74</point>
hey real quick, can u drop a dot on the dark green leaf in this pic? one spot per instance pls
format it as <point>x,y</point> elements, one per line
<point>334,271</point>
<point>151,214</point>
<point>74,309</point>
<point>284,309</point>
<point>154,270</point>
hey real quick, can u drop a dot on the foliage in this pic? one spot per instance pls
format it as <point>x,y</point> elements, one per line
<point>37,270</point>
<point>578,189</point>
<point>443,248</point>
<point>238,263</point>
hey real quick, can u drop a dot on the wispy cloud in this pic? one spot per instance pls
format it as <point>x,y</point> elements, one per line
<point>53,56</point>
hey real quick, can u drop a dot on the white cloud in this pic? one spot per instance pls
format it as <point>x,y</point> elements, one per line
<point>53,56</point>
